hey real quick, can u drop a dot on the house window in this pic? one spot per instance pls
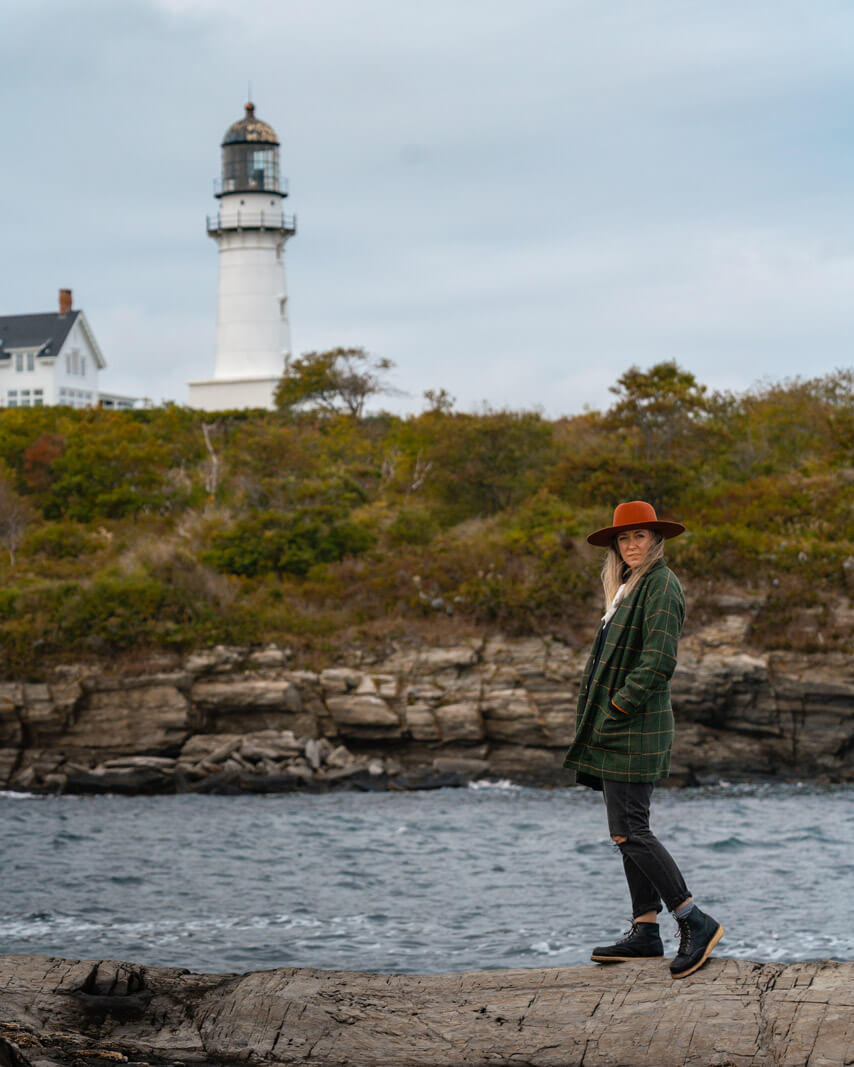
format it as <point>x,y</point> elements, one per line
<point>82,364</point>
<point>12,398</point>
<point>25,398</point>
<point>31,361</point>
<point>12,402</point>
<point>19,361</point>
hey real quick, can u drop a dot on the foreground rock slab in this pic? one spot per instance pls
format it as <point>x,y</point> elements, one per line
<point>60,1012</point>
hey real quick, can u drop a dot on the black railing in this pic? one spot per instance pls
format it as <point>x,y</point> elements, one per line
<point>252,220</point>
<point>252,185</point>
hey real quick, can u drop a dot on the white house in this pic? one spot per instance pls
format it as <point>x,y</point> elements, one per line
<point>52,358</point>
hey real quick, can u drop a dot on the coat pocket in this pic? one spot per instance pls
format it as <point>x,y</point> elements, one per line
<point>612,715</point>
<point>614,735</point>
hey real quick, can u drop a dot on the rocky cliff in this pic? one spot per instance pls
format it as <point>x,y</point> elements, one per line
<point>61,1012</point>
<point>232,719</point>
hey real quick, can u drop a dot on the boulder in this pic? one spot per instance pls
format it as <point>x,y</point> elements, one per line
<point>246,693</point>
<point>34,765</point>
<point>433,660</point>
<point>511,715</point>
<point>526,760</point>
<point>461,765</point>
<point>103,682</point>
<point>340,758</point>
<point>459,722</point>
<point>43,721</point>
<point>127,781</point>
<point>203,746</point>
<point>559,724</point>
<point>9,758</point>
<point>160,763</point>
<point>424,692</point>
<point>210,660</point>
<point>11,728</point>
<point>249,704</point>
<point>340,679</point>
<point>364,714</point>
<point>421,723</point>
<point>315,750</point>
<point>270,657</point>
<point>145,721</point>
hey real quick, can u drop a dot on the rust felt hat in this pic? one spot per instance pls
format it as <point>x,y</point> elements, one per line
<point>631,515</point>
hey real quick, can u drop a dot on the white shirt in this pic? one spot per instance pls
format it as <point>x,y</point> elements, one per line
<point>615,603</point>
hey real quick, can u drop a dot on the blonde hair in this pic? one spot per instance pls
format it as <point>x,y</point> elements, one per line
<point>615,572</point>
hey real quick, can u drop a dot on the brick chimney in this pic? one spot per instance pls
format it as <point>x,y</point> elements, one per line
<point>64,301</point>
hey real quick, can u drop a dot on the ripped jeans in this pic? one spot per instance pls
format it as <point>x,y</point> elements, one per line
<point>650,870</point>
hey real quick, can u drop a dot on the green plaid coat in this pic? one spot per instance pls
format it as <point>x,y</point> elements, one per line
<point>633,673</point>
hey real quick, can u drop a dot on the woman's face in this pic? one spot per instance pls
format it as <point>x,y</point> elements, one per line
<point>633,545</point>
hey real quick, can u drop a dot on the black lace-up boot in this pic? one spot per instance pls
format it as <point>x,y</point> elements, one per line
<point>698,935</point>
<point>641,942</point>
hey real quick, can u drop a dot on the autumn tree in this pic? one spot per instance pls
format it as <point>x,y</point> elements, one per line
<point>662,403</point>
<point>655,443</point>
<point>39,458</point>
<point>793,423</point>
<point>113,466</point>
<point>439,401</point>
<point>340,379</point>
<point>484,463</point>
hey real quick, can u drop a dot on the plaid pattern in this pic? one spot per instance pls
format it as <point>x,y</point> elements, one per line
<point>634,671</point>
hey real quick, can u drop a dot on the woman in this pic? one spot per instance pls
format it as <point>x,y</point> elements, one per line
<point>624,730</point>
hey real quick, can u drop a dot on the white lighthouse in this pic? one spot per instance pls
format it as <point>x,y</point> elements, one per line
<point>250,229</point>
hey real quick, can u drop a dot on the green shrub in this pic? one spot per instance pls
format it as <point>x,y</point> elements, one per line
<point>530,592</point>
<point>8,603</point>
<point>543,516</point>
<point>482,464</point>
<point>603,480</point>
<point>488,511</point>
<point>60,540</point>
<point>413,525</point>
<point>115,610</point>
<point>270,542</point>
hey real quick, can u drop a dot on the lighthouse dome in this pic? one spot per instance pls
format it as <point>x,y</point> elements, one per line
<point>250,157</point>
<point>250,130</point>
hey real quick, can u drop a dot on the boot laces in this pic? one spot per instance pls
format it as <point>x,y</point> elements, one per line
<point>627,935</point>
<point>684,935</point>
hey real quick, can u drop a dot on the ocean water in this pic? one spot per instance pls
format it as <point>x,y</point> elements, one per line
<point>491,876</point>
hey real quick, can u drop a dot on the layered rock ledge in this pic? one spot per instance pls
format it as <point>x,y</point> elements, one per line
<point>61,1012</point>
<point>237,719</point>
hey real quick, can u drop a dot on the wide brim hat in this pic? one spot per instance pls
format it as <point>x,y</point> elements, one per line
<point>631,515</point>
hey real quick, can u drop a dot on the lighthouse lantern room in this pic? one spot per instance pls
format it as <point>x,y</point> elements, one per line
<point>250,229</point>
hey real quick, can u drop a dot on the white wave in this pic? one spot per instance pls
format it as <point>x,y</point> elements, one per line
<point>493,783</point>
<point>545,948</point>
<point>167,929</point>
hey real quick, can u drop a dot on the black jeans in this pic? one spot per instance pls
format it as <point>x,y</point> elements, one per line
<point>651,871</point>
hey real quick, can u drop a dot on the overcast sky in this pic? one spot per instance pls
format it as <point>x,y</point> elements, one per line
<point>512,200</point>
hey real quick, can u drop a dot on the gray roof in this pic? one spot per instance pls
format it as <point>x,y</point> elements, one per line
<point>27,331</point>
